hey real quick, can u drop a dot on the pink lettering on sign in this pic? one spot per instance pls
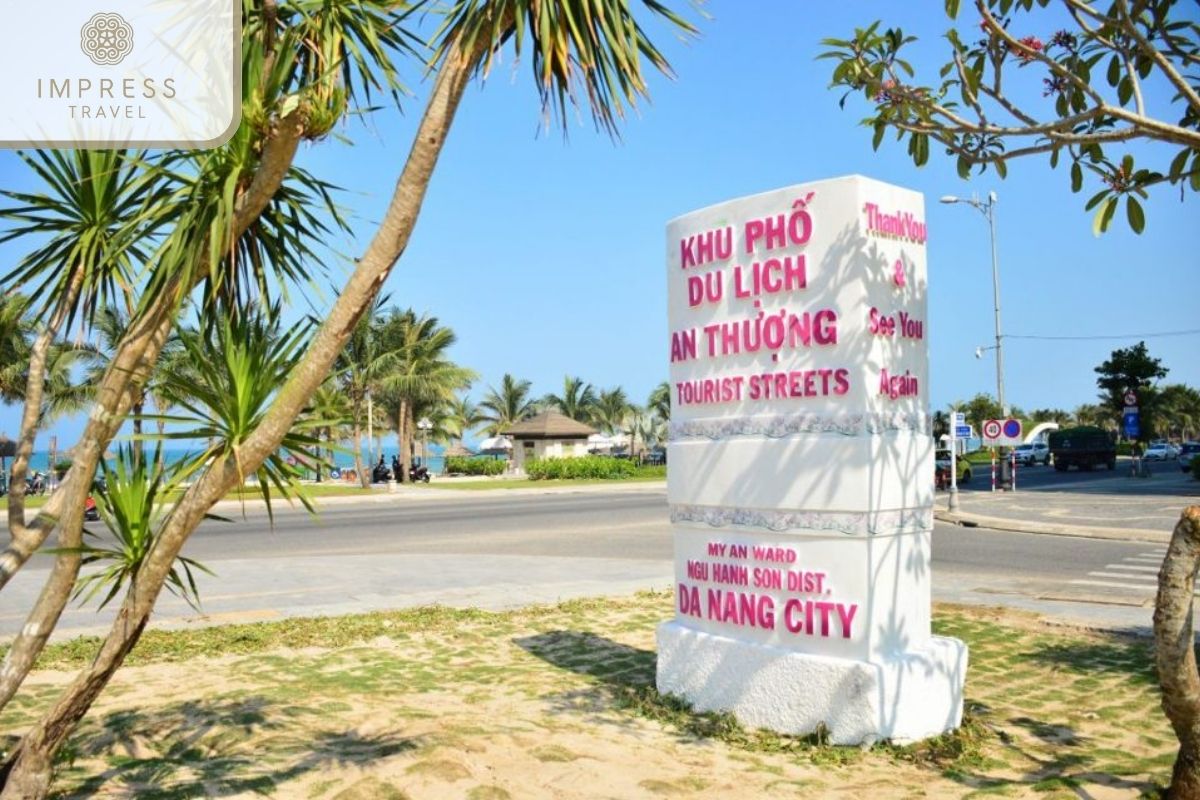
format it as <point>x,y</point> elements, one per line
<point>705,288</point>
<point>709,390</point>
<point>683,345</point>
<point>741,608</point>
<point>773,331</point>
<point>900,225</point>
<point>897,386</point>
<point>774,275</point>
<point>882,324</point>
<point>815,617</point>
<point>705,247</point>
<point>781,229</point>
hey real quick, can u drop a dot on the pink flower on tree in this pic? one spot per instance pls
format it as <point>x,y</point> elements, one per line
<point>1031,43</point>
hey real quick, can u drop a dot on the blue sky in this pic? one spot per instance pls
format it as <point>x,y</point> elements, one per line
<point>545,254</point>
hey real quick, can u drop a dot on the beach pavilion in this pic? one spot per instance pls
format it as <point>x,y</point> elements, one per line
<point>550,434</point>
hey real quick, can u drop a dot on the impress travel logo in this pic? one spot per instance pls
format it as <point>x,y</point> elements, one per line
<point>133,73</point>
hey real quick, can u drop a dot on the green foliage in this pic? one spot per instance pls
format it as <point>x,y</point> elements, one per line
<point>238,366</point>
<point>651,471</point>
<point>463,465</point>
<point>582,468</point>
<point>580,52</point>
<point>506,406</point>
<point>131,501</point>
<point>659,402</point>
<point>1132,368</point>
<point>984,110</point>
<point>578,400</point>
<point>979,408</point>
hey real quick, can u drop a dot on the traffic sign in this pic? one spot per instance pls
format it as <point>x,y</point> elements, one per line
<point>958,419</point>
<point>1130,398</point>
<point>1002,431</point>
<point>962,431</point>
<point>1132,426</point>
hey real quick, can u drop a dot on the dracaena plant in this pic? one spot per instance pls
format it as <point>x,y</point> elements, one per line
<point>237,366</point>
<point>134,501</point>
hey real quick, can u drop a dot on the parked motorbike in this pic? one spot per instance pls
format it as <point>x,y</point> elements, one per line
<point>418,473</point>
<point>36,483</point>
<point>380,474</point>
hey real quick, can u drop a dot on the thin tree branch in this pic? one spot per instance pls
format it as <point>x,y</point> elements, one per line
<point>1162,62</point>
<point>998,30</point>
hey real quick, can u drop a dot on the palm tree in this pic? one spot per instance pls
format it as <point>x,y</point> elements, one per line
<point>109,326</point>
<point>506,407</point>
<point>463,416</point>
<point>419,374</point>
<point>611,409</point>
<point>577,401</point>
<point>15,335</point>
<point>659,402</point>
<point>330,413</point>
<point>360,368</point>
<point>1179,409</point>
<point>1094,415</point>
<point>59,393</point>
<point>305,68</point>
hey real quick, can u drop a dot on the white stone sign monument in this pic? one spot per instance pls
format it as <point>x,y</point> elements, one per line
<point>800,466</point>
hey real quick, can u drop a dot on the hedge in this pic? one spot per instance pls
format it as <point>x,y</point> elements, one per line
<point>581,468</point>
<point>464,465</point>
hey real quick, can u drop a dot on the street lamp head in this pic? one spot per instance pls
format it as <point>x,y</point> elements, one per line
<point>992,196</point>
<point>979,352</point>
<point>949,198</point>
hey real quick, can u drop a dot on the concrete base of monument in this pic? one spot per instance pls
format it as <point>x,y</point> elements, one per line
<point>913,696</point>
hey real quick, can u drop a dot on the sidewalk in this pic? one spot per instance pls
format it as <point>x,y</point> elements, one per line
<point>1116,507</point>
<point>410,492</point>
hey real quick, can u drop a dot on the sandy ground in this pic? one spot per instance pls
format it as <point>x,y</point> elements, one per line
<point>558,704</point>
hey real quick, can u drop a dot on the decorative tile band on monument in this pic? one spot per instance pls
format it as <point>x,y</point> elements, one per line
<point>800,466</point>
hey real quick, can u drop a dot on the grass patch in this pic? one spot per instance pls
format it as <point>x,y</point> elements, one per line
<point>248,494</point>
<point>386,703</point>
<point>525,483</point>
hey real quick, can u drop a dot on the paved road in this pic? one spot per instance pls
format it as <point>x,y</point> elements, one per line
<point>502,551</point>
<point>1113,501</point>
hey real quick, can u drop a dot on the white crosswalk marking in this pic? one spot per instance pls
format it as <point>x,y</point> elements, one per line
<point>1137,574</point>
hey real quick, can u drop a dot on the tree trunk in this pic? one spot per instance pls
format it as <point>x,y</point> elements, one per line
<point>160,461</point>
<point>29,774</point>
<point>1175,652</point>
<point>406,445</point>
<point>364,479</point>
<point>401,419</point>
<point>127,372</point>
<point>144,338</point>
<point>24,541</point>
<point>115,397</point>
<point>138,408</point>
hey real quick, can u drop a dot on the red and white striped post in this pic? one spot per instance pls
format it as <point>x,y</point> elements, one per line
<point>1013,456</point>
<point>993,469</point>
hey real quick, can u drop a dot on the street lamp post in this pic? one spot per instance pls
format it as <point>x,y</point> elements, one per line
<point>426,426</point>
<point>988,209</point>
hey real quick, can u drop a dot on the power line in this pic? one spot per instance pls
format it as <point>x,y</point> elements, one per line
<point>1158,335</point>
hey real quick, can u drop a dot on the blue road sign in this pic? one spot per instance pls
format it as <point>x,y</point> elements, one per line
<point>962,431</point>
<point>1012,428</point>
<point>1132,428</point>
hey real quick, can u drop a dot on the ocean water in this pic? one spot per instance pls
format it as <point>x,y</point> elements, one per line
<point>40,460</point>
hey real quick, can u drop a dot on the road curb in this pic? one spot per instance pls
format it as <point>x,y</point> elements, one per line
<point>1052,529</point>
<point>449,495</point>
